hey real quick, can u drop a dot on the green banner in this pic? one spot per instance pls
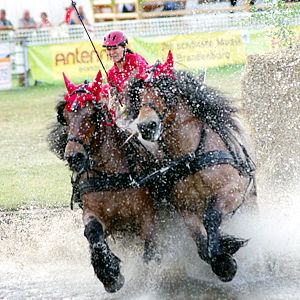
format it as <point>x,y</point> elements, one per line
<point>193,52</point>
<point>77,60</point>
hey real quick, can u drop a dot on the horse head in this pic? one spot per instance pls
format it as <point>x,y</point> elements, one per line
<point>163,93</point>
<point>84,115</point>
<point>154,107</point>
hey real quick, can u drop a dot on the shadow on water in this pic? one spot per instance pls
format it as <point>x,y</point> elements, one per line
<point>44,255</point>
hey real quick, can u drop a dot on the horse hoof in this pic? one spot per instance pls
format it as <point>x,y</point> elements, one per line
<point>115,285</point>
<point>154,256</point>
<point>224,266</point>
<point>231,244</point>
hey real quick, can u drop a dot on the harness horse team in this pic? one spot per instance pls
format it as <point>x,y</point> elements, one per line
<point>205,171</point>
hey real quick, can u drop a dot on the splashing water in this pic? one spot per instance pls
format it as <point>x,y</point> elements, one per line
<point>44,255</point>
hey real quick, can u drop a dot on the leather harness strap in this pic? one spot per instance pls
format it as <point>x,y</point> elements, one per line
<point>171,173</point>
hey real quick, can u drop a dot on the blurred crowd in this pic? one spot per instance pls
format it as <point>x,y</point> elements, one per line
<point>28,22</point>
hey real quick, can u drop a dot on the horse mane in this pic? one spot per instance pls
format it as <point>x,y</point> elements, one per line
<point>206,103</point>
<point>57,137</point>
<point>132,96</point>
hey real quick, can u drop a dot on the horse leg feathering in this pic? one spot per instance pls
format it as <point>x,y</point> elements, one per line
<point>106,265</point>
<point>228,244</point>
<point>222,263</point>
<point>150,252</point>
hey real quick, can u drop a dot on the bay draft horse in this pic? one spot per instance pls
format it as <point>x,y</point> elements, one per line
<point>104,161</point>
<point>208,170</point>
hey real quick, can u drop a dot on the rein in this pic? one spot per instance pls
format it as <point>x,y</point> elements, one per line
<point>103,181</point>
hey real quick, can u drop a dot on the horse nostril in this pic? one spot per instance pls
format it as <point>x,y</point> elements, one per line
<point>148,130</point>
<point>143,128</point>
<point>152,125</point>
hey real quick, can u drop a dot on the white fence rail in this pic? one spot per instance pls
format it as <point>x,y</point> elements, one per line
<point>20,39</point>
<point>141,28</point>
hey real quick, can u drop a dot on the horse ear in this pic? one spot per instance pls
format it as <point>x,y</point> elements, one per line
<point>97,83</point>
<point>69,85</point>
<point>99,77</point>
<point>168,65</point>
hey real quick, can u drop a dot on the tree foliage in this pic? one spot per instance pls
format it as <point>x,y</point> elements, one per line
<point>279,17</point>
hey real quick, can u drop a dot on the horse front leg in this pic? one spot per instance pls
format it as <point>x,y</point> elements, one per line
<point>217,243</point>
<point>148,230</point>
<point>198,233</point>
<point>106,265</point>
<point>222,262</point>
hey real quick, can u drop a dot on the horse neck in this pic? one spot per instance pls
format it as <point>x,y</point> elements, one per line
<point>109,156</point>
<point>183,135</point>
<point>186,132</point>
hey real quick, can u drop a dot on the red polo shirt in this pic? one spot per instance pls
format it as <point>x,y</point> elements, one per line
<point>68,15</point>
<point>120,76</point>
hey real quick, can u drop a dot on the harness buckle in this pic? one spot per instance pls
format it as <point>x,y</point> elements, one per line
<point>133,182</point>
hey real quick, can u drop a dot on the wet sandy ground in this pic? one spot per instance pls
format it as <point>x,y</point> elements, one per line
<point>44,255</point>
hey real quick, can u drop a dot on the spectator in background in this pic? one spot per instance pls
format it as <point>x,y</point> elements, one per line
<point>74,19</point>
<point>127,7</point>
<point>4,23</point>
<point>67,15</point>
<point>27,22</point>
<point>234,2</point>
<point>69,10</point>
<point>174,5</point>
<point>44,22</point>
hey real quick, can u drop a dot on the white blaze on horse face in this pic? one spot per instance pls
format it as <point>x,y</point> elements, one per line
<point>149,124</point>
<point>149,119</point>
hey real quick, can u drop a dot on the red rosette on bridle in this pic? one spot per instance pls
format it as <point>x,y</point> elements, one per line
<point>158,69</point>
<point>78,95</point>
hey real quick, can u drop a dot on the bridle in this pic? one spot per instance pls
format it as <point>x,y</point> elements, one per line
<point>161,115</point>
<point>79,91</point>
<point>74,108</point>
<point>166,117</point>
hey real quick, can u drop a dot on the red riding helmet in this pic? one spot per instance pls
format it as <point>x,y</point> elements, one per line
<point>114,38</point>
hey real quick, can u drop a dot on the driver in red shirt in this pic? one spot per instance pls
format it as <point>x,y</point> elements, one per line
<point>126,64</point>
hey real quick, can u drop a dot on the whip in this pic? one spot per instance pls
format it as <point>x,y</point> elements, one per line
<point>80,18</point>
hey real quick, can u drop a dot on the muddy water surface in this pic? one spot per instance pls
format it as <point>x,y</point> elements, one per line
<point>44,255</point>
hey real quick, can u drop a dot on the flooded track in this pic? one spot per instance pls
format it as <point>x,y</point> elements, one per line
<point>44,255</point>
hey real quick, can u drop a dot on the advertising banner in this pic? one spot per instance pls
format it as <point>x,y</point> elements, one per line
<point>193,51</point>
<point>77,60</point>
<point>5,67</point>
<point>5,74</point>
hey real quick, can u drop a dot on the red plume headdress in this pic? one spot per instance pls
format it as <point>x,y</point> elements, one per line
<point>159,69</point>
<point>78,95</point>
